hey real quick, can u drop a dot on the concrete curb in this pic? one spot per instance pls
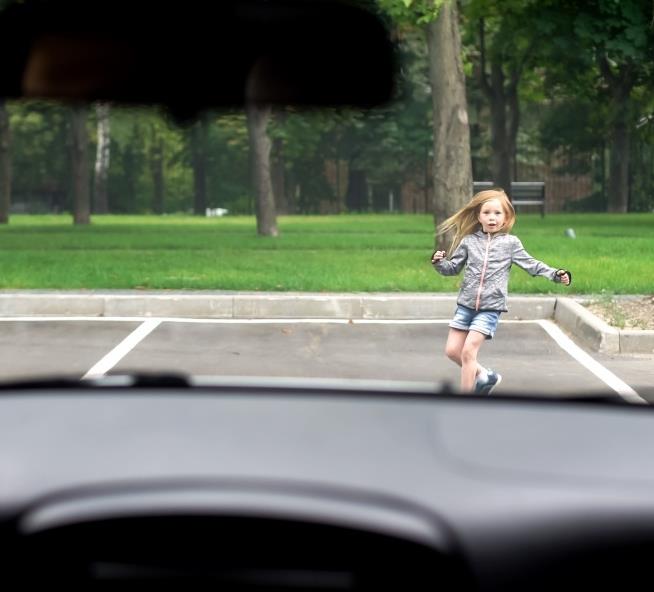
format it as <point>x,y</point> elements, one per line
<point>597,334</point>
<point>256,305</point>
<point>587,327</point>
<point>569,313</point>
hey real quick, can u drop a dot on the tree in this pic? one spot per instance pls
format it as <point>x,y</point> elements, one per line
<point>620,37</point>
<point>278,166</point>
<point>402,150</point>
<point>100,192</point>
<point>41,154</point>
<point>258,117</point>
<point>80,165</point>
<point>125,185</point>
<point>5,163</point>
<point>199,131</point>
<point>229,172</point>
<point>156,157</point>
<point>614,41</point>
<point>303,142</point>
<point>620,79</point>
<point>452,162</point>
<point>505,45</point>
<point>452,168</point>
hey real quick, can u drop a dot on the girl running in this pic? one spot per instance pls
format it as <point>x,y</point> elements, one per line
<point>483,245</point>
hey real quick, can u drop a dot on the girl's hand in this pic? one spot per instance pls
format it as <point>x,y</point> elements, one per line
<point>566,276</point>
<point>437,256</point>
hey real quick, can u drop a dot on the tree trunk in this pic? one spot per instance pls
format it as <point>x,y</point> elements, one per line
<point>621,83</point>
<point>130,178</point>
<point>452,164</point>
<point>500,150</point>
<point>620,142</point>
<point>257,120</point>
<point>101,198</point>
<point>278,169</point>
<point>290,182</point>
<point>157,168</point>
<point>356,197</point>
<point>278,176</point>
<point>5,163</point>
<point>502,96</point>
<point>132,166</point>
<point>604,175</point>
<point>427,194</point>
<point>80,166</point>
<point>199,158</point>
<point>513,103</point>
<point>340,177</point>
<point>476,141</point>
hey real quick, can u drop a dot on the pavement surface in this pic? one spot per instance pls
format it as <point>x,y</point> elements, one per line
<point>544,345</point>
<point>534,356</point>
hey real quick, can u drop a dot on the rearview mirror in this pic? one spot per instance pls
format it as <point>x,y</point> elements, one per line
<point>191,55</point>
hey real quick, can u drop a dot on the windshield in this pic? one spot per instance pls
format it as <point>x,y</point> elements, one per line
<point>491,227</point>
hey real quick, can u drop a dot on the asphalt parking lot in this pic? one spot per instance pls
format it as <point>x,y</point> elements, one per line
<point>532,356</point>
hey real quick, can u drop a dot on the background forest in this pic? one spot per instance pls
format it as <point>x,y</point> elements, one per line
<point>556,91</point>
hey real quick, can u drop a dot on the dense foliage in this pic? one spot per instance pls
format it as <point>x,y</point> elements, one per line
<point>585,72</point>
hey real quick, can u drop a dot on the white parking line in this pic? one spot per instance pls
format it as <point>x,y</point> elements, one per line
<point>605,375</point>
<point>122,349</point>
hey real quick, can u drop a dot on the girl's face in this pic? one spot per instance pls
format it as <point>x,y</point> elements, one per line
<point>491,216</point>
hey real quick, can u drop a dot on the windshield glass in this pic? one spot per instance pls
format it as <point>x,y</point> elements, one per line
<point>491,227</point>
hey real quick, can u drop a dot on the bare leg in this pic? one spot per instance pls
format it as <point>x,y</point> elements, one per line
<point>469,365</point>
<point>456,339</point>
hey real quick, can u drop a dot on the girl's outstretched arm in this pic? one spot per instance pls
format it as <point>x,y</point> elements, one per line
<point>455,263</point>
<point>532,266</point>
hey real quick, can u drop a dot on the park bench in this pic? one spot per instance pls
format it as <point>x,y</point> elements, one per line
<point>523,193</point>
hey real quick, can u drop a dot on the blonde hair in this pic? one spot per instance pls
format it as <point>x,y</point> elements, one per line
<point>466,220</point>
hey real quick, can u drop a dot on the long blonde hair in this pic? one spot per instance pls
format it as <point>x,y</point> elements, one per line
<point>466,220</point>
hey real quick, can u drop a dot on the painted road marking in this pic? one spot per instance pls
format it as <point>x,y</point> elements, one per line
<point>604,374</point>
<point>122,349</point>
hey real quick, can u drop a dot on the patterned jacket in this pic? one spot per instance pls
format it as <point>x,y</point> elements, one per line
<point>488,258</point>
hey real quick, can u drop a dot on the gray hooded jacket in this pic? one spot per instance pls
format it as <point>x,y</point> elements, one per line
<point>488,258</point>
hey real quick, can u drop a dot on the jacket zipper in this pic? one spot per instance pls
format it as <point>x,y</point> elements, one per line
<point>483,273</point>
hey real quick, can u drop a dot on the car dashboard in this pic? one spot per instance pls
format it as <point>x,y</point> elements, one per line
<point>315,487</point>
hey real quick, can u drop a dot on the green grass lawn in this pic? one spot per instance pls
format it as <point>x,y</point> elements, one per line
<point>384,253</point>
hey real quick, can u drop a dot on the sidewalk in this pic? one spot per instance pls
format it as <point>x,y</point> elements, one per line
<point>567,312</point>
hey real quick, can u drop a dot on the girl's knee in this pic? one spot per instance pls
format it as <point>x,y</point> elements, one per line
<point>469,354</point>
<point>453,352</point>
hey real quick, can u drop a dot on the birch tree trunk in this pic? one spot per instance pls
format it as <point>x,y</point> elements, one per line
<point>101,199</point>
<point>5,163</point>
<point>257,119</point>
<point>80,166</point>
<point>452,169</point>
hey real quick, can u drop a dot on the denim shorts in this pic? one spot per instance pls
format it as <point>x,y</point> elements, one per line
<point>482,321</point>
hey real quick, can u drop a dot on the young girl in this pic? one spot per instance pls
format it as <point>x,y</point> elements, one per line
<point>483,244</point>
